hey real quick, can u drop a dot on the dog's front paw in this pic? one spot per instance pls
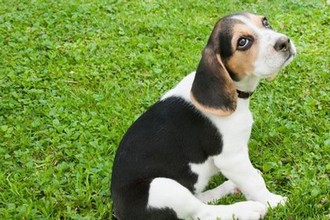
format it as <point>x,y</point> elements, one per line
<point>248,210</point>
<point>273,200</point>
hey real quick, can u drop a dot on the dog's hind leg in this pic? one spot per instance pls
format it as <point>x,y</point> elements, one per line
<point>226,188</point>
<point>167,193</point>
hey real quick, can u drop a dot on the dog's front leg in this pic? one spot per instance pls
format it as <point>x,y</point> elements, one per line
<point>238,168</point>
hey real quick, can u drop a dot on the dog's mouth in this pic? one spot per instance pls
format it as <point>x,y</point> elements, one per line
<point>291,55</point>
<point>272,76</point>
<point>288,59</point>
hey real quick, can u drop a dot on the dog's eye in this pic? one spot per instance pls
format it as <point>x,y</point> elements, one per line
<point>265,23</point>
<point>244,43</point>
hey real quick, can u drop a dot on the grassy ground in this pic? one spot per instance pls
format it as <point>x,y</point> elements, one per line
<point>75,74</point>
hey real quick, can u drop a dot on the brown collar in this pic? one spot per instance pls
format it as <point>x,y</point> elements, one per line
<point>244,95</point>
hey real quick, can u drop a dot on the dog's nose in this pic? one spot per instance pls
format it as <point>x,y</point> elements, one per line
<point>282,44</point>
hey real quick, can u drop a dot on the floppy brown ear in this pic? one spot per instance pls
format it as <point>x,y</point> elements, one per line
<point>213,90</point>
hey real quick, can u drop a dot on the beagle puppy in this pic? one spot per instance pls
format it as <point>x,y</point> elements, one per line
<point>202,127</point>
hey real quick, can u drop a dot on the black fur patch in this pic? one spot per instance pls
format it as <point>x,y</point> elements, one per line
<point>225,36</point>
<point>161,143</point>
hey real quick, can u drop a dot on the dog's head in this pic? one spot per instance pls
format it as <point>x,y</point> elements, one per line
<point>242,49</point>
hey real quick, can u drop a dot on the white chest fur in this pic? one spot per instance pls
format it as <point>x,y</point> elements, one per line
<point>235,131</point>
<point>236,128</point>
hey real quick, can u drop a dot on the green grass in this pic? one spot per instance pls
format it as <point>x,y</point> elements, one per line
<point>75,74</point>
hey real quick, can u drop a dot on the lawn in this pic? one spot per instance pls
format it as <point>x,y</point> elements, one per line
<point>75,74</point>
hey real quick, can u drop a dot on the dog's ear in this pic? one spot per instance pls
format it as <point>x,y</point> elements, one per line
<point>213,90</point>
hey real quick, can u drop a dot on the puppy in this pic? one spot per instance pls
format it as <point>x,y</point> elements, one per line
<point>202,127</point>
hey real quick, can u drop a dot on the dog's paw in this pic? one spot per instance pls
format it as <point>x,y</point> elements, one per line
<point>272,200</point>
<point>224,189</point>
<point>249,210</point>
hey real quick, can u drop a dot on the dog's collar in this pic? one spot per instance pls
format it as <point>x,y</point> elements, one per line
<point>244,95</point>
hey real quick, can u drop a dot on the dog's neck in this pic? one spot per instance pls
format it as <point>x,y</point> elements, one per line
<point>248,84</point>
<point>244,95</point>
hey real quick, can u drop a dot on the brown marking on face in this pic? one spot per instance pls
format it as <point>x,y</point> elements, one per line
<point>257,19</point>
<point>241,63</point>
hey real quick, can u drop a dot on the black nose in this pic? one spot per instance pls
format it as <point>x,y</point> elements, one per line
<point>282,44</point>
